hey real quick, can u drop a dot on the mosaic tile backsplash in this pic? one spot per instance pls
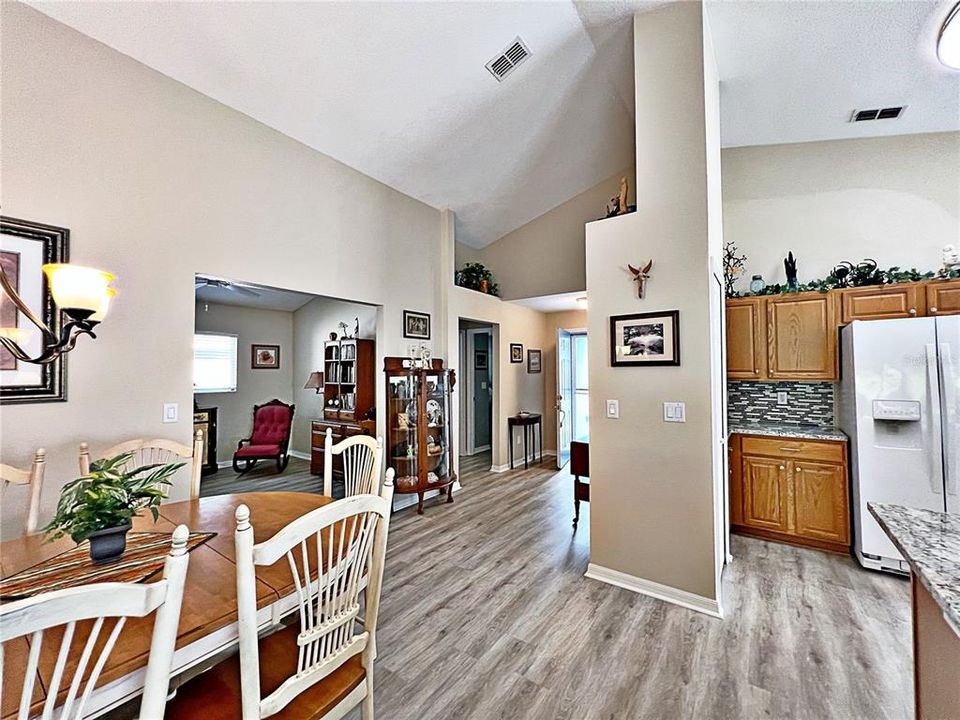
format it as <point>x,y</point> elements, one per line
<point>807,403</point>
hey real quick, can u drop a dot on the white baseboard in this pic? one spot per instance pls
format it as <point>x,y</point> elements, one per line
<point>518,462</point>
<point>298,454</point>
<point>666,593</point>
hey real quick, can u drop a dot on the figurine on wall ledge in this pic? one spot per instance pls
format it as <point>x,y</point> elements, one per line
<point>640,277</point>
<point>951,262</point>
<point>618,203</point>
<point>790,266</point>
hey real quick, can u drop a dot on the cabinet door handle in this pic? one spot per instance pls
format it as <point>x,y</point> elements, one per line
<point>913,311</point>
<point>933,309</point>
<point>799,469</point>
<point>790,449</point>
<point>782,467</point>
<point>756,371</point>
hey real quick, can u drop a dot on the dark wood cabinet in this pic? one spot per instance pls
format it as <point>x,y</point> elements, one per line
<point>794,491</point>
<point>205,420</point>
<point>338,431</point>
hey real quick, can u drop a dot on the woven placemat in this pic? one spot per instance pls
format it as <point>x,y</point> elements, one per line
<point>145,555</point>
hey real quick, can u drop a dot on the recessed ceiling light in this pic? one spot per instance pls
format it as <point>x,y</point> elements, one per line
<point>582,302</point>
<point>948,45</point>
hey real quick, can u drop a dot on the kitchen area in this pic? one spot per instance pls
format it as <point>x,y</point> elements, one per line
<point>844,437</point>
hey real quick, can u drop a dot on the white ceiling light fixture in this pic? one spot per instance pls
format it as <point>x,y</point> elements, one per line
<point>948,44</point>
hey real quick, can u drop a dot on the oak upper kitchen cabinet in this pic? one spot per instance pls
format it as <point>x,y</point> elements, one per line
<point>802,337</point>
<point>882,302</point>
<point>791,490</point>
<point>746,338</point>
<point>943,298</point>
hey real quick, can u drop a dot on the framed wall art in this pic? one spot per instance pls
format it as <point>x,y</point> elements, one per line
<point>416,325</point>
<point>25,247</point>
<point>265,357</point>
<point>534,361</point>
<point>516,353</point>
<point>645,339</point>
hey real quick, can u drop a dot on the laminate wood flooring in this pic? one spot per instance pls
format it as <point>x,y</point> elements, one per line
<point>263,478</point>
<point>486,614</point>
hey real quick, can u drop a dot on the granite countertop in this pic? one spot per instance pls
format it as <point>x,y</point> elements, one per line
<point>785,430</point>
<point>930,541</point>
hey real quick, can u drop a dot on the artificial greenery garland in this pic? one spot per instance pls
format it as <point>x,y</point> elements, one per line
<point>878,277</point>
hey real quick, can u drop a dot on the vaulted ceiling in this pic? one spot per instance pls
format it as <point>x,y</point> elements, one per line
<point>399,90</point>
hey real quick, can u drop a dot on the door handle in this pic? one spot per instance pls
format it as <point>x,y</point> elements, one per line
<point>934,391</point>
<point>949,402</point>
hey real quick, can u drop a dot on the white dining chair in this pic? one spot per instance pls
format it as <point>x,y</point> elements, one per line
<point>321,667</point>
<point>33,477</point>
<point>154,451</point>
<point>99,602</point>
<point>361,457</point>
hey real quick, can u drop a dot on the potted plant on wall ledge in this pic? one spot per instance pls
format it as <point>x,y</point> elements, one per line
<point>100,507</point>
<point>475,276</point>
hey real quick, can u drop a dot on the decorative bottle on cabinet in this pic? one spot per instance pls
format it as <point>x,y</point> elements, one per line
<point>420,427</point>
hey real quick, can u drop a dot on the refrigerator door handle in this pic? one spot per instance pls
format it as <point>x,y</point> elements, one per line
<point>950,415</point>
<point>936,482</point>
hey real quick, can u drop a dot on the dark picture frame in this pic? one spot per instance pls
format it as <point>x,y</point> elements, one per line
<point>264,357</point>
<point>416,325</point>
<point>534,361</point>
<point>480,360</point>
<point>645,339</point>
<point>49,381</point>
<point>516,353</point>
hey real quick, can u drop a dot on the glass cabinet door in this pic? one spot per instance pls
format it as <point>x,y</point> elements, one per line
<point>437,408</point>
<point>402,401</point>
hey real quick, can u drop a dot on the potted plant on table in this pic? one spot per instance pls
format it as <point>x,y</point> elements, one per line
<point>100,506</point>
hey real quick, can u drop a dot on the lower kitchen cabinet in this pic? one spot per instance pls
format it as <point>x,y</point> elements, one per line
<point>794,491</point>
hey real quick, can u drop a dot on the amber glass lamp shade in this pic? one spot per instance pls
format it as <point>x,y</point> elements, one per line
<point>81,292</point>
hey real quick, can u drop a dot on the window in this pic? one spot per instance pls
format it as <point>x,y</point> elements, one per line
<point>214,363</point>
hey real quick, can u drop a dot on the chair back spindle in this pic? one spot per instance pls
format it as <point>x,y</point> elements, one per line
<point>361,458</point>
<point>157,451</point>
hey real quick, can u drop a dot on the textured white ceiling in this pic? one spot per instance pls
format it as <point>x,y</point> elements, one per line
<point>266,298</point>
<point>554,303</point>
<point>794,71</point>
<point>399,90</point>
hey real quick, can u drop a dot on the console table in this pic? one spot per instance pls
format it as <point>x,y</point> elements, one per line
<point>531,423</point>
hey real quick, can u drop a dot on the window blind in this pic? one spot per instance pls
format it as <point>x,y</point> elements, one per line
<point>214,363</point>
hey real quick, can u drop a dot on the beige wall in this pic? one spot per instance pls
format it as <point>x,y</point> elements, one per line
<point>254,387</point>
<point>156,183</point>
<point>312,325</point>
<point>570,320</point>
<point>652,504</point>
<point>514,387</point>
<point>546,256</point>
<point>894,199</point>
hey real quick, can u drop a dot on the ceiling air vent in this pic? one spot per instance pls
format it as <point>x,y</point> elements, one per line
<point>504,63</point>
<point>890,113</point>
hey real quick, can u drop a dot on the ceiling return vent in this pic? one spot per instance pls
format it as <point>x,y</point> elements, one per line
<point>505,63</point>
<point>890,113</point>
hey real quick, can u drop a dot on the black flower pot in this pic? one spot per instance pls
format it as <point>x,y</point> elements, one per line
<point>108,544</point>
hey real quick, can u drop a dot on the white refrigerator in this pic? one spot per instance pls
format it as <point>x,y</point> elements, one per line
<point>900,404</point>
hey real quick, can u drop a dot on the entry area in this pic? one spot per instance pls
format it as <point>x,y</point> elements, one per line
<point>573,392</point>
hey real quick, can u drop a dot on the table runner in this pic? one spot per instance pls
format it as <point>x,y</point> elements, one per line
<point>145,555</point>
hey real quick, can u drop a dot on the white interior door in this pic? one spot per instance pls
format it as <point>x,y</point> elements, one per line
<point>564,403</point>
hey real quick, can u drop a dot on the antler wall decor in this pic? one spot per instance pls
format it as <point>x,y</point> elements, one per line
<point>640,277</point>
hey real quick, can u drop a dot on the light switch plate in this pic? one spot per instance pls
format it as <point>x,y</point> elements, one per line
<point>613,409</point>
<point>171,412</point>
<point>781,397</point>
<point>674,412</point>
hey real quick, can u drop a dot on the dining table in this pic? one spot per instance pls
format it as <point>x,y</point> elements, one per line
<point>208,616</point>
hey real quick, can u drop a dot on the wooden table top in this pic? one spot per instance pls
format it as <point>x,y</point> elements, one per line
<point>209,596</point>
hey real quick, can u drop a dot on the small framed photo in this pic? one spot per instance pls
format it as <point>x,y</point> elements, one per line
<point>265,357</point>
<point>516,353</point>
<point>416,325</point>
<point>534,361</point>
<point>645,339</point>
<point>480,361</point>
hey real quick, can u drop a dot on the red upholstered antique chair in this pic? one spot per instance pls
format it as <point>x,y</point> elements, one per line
<point>272,423</point>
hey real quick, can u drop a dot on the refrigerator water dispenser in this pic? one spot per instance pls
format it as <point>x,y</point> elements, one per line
<point>900,410</point>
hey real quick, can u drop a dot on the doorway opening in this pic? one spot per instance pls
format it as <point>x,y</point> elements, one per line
<point>573,392</point>
<point>477,359</point>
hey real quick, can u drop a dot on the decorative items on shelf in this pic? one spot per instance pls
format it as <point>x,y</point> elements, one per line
<point>418,356</point>
<point>790,268</point>
<point>618,203</point>
<point>640,277</point>
<point>476,276</point>
<point>101,505</point>
<point>757,284</point>
<point>951,263</point>
<point>733,265</point>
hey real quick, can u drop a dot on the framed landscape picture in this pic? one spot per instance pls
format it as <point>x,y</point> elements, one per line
<point>516,353</point>
<point>534,361</point>
<point>24,248</point>
<point>265,357</point>
<point>416,325</point>
<point>645,339</point>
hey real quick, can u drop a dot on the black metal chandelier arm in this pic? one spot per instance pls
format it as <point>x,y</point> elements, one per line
<point>48,336</point>
<point>51,351</point>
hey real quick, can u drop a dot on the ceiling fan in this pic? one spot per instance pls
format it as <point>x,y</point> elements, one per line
<point>203,281</point>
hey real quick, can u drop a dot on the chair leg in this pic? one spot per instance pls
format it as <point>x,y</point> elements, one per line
<point>576,511</point>
<point>282,462</point>
<point>366,708</point>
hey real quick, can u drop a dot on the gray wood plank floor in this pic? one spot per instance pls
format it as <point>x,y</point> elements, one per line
<point>264,477</point>
<point>486,614</point>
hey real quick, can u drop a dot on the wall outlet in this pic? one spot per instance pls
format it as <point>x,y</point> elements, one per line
<point>781,397</point>
<point>674,412</point>
<point>171,412</point>
<point>613,409</point>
